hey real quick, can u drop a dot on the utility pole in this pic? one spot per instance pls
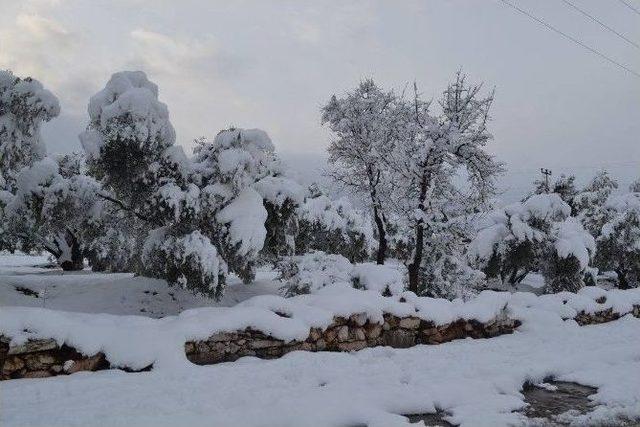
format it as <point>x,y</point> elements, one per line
<point>547,174</point>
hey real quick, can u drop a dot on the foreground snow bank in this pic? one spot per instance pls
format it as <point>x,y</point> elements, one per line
<point>477,382</point>
<point>137,342</point>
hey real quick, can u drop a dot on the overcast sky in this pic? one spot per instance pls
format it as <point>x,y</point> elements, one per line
<point>272,64</point>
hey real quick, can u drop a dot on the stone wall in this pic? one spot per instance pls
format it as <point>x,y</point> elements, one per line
<point>603,316</point>
<point>344,334</point>
<point>44,358</point>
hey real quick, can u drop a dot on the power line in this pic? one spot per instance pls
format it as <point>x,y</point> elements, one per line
<point>629,6</point>
<point>568,37</point>
<point>602,24</point>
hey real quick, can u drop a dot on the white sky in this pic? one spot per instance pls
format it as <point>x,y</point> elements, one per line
<point>272,64</point>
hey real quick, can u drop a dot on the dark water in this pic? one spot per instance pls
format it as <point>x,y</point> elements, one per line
<point>545,404</point>
<point>430,420</point>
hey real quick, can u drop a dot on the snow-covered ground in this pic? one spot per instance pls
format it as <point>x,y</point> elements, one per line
<point>477,382</point>
<point>28,281</point>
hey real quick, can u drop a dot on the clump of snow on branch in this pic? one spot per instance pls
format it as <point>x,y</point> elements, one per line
<point>127,109</point>
<point>245,216</point>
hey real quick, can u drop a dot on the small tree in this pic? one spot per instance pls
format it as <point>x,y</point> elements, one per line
<point>281,198</point>
<point>619,242</point>
<point>366,123</point>
<point>535,235</point>
<point>49,212</point>
<point>567,254</point>
<point>432,151</point>
<point>511,241</point>
<point>589,204</point>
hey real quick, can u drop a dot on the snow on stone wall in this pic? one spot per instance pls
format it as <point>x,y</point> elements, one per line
<point>40,343</point>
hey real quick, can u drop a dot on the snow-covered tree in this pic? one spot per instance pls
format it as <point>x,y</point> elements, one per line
<point>589,204</point>
<point>365,123</point>
<point>148,182</point>
<point>304,274</point>
<point>568,252</point>
<point>431,151</point>
<point>241,169</point>
<point>49,211</point>
<point>510,241</point>
<point>45,203</point>
<point>634,187</point>
<point>332,226</point>
<point>618,246</point>
<point>190,221</point>
<point>128,131</point>
<point>24,106</point>
<point>564,186</point>
<point>535,235</point>
<point>281,198</point>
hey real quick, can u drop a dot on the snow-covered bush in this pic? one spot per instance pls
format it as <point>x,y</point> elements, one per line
<point>618,246</point>
<point>385,279</point>
<point>332,226</point>
<point>304,274</point>
<point>566,257</point>
<point>188,260</point>
<point>511,240</point>
<point>24,106</point>
<point>537,234</point>
<point>446,271</point>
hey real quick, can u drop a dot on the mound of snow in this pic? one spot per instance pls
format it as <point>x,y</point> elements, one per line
<point>385,279</point>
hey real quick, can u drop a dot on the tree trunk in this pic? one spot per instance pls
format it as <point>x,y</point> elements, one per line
<point>76,259</point>
<point>382,237</point>
<point>623,283</point>
<point>414,267</point>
